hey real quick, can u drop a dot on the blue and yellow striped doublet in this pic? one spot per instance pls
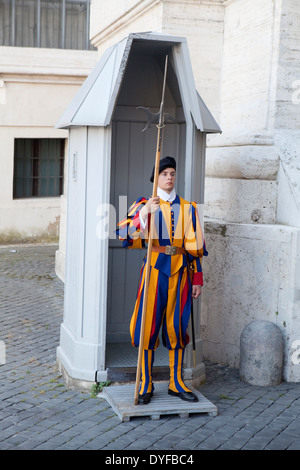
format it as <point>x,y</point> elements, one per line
<point>176,224</point>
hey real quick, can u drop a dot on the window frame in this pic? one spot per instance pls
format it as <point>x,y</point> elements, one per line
<point>37,34</point>
<point>34,172</point>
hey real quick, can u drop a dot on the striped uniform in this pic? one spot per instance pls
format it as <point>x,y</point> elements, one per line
<point>176,224</point>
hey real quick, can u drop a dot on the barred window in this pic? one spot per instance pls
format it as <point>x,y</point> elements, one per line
<point>60,24</point>
<point>38,168</point>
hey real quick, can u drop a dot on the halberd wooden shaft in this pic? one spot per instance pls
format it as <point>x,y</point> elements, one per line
<point>150,239</point>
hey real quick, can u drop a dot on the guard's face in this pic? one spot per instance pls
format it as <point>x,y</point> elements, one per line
<point>166,179</point>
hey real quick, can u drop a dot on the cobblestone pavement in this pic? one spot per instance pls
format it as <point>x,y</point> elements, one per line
<point>37,411</point>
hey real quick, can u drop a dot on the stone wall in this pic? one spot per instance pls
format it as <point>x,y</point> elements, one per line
<point>248,277</point>
<point>252,184</point>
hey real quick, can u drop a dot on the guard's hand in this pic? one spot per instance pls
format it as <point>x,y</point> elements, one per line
<point>196,291</point>
<point>151,206</point>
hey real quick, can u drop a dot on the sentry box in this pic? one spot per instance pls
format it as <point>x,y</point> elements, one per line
<point>109,163</point>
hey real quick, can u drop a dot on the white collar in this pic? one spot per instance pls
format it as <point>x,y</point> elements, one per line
<point>168,197</point>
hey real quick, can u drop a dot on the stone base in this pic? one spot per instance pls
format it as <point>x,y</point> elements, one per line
<point>261,356</point>
<point>75,384</point>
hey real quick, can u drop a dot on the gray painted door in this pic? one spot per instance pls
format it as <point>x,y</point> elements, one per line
<point>133,157</point>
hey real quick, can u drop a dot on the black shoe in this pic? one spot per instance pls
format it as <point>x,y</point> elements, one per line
<point>187,396</point>
<point>145,399</point>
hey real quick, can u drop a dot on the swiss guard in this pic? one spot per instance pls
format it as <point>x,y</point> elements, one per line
<point>175,276</point>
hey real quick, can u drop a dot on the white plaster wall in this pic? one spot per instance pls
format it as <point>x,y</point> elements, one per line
<point>35,88</point>
<point>35,104</point>
<point>29,217</point>
<point>47,62</point>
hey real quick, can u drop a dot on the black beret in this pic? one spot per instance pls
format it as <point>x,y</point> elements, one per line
<point>167,162</point>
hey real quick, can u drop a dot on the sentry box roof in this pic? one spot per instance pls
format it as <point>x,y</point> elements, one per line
<point>130,74</point>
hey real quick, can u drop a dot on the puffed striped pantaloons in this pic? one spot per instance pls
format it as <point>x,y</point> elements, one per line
<point>176,383</point>
<point>168,306</point>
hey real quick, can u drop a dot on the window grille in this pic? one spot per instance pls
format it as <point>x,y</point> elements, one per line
<point>38,168</point>
<point>59,24</point>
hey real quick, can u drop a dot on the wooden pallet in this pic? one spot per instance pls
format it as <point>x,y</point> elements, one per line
<point>121,399</point>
